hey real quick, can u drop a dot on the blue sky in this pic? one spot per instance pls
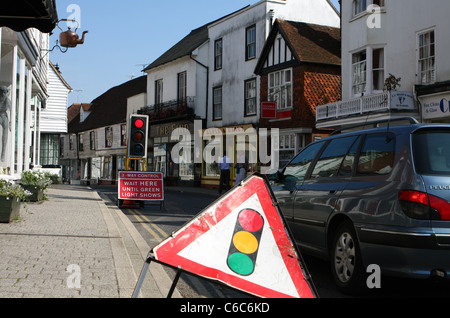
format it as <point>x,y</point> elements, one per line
<point>124,35</point>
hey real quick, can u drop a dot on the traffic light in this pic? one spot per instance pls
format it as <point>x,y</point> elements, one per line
<point>138,134</point>
<point>245,243</point>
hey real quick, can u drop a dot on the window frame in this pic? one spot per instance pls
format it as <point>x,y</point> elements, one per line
<point>360,67</point>
<point>182,86</point>
<point>159,91</point>
<point>108,137</point>
<point>218,54</point>
<point>275,92</point>
<point>123,134</point>
<point>380,69</point>
<point>248,99</point>
<point>250,42</point>
<point>426,59</point>
<point>92,140</point>
<point>216,105</point>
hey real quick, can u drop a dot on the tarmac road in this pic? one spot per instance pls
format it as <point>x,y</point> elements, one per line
<point>182,205</point>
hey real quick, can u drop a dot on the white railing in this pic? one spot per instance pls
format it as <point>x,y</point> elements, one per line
<point>361,105</point>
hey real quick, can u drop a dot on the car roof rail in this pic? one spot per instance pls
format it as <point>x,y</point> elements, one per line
<point>378,123</point>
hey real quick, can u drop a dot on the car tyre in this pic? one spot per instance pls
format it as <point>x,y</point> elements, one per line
<point>346,261</point>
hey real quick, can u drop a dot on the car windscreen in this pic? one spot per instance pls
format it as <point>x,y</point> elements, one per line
<point>431,151</point>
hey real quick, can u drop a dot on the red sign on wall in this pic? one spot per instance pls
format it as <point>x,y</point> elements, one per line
<point>269,110</point>
<point>139,185</point>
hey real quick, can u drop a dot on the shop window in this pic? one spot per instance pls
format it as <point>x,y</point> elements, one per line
<point>50,149</point>
<point>211,157</point>
<point>287,148</point>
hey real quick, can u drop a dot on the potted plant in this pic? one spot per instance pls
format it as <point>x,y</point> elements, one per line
<point>10,196</point>
<point>36,182</point>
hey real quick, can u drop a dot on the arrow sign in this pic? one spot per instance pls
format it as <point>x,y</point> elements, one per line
<point>241,240</point>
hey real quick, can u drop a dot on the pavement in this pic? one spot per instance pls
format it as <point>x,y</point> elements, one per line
<point>76,245</point>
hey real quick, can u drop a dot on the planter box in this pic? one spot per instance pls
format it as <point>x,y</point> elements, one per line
<point>9,209</point>
<point>37,194</point>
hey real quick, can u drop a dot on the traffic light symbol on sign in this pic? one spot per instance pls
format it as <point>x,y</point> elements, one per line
<point>245,242</point>
<point>137,142</point>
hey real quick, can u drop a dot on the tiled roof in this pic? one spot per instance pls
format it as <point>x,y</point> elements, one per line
<point>313,43</point>
<point>109,108</point>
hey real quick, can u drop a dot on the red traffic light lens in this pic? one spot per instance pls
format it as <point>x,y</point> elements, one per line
<point>139,123</point>
<point>138,136</point>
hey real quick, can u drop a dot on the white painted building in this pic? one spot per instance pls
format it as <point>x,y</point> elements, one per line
<point>23,84</point>
<point>404,38</point>
<point>236,42</point>
<point>212,69</point>
<point>53,118</point>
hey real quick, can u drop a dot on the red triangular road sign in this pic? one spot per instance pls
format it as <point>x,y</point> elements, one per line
<point>241,240</point>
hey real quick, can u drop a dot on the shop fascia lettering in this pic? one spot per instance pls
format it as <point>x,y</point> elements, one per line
<point>181,152</point>
<point>436,106</point>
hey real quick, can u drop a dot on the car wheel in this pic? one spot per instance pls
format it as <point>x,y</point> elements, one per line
<point>346,263</point>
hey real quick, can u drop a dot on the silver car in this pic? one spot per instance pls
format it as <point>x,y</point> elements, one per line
<point>372,196</point>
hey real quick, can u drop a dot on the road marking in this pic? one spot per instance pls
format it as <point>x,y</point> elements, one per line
<point>145,225</point>
<point>145,221</point>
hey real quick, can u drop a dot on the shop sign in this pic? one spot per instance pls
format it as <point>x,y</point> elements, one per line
<point>165,130</point>
<point>140,186</point>
<point>436,106</point>
<point>269,110</point>
<point>226,131</point>
<point>402,100</point>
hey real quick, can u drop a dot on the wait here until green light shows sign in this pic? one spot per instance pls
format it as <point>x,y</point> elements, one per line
<point>138,185</point>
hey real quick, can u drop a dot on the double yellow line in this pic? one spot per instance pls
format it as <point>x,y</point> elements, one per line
<point>154,230</point>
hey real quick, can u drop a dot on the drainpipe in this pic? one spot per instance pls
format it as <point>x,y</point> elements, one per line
<point>207,84</point>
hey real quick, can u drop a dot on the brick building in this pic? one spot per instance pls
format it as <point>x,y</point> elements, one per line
<point>300,69</point>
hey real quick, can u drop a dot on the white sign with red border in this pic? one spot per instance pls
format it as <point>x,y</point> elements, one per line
<point>139,185</point>
<point>241,240</point>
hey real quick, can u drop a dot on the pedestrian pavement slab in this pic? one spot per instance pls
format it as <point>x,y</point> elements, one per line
<point>72,245</point>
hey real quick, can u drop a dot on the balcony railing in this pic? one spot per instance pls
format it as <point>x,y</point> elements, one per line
<point>366,104</point>
<point>170,110</point>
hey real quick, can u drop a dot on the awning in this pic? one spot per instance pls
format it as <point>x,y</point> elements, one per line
<point>20,15</point>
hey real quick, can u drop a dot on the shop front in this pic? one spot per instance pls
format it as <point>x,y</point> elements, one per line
<point>23,93</point>
<point>435,103</point>
<point>239,142</point>
<point>176,171</point>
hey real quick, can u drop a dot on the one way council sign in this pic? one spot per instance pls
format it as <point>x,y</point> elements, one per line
<point>241,240</point>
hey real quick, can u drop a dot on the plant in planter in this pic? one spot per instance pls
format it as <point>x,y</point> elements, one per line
<point>36,182</point>
<point>10,197</point>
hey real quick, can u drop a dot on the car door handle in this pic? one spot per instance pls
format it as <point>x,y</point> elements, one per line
<point>332,192</point>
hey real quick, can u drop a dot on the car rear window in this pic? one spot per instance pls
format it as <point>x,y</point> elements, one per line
<point>431,151</point>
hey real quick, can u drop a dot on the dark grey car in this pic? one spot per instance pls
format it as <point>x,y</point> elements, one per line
<point>373,196</point>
